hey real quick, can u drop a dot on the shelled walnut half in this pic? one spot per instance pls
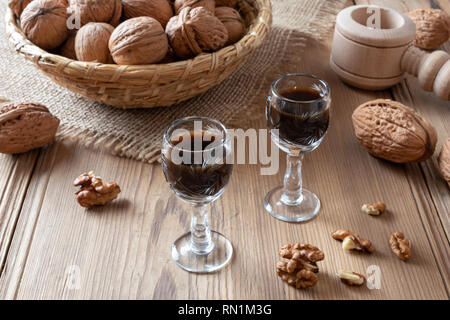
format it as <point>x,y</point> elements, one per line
<point>351,278</point>
<point>299,271</point>
<point>352,241</point>
<point>93,192</point>
<point>400,246</point>
<point>374,209</point>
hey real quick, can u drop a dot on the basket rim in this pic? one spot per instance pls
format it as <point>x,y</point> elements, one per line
<point>259,29</point>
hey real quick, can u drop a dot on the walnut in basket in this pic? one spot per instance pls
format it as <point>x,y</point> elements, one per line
<point>139,40</point>
<point>233,21</point>
<point>108,11</point>
<point>161,10</point>
<point>91,42</point>
<point>194,31</point>
<point>181,4</point>
<point>44,23</point>
<point>68,48</point>
<point>17,6</point>
<point>226,3</point>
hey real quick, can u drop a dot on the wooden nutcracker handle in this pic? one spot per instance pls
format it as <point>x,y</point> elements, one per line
<point>432,69</point>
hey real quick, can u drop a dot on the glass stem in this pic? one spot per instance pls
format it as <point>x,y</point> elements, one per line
<point>292,190</point>
<point>200,232</point>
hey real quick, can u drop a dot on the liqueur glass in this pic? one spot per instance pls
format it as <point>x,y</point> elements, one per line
<point>298,124</point>
<point>194,154</point>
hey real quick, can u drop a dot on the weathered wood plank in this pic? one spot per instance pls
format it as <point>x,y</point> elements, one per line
<point>433,196</point>
<point>15,174</point>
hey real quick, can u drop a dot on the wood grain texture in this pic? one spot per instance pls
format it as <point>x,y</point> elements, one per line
<point>123,250</point>
<point>15,174</point>
<point>435,209</point>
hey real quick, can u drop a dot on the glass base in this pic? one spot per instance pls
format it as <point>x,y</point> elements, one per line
<point>216,259</point>
<point>303,211</point>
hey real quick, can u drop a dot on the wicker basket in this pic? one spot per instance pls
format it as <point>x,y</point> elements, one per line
<point>147,86</point>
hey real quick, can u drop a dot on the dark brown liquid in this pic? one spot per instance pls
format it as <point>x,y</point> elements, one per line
<point>303,119</point>
<point>197,180</point>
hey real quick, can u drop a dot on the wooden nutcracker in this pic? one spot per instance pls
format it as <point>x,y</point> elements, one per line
<point>373,48</point>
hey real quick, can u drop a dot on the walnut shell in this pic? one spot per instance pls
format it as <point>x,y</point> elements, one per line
<point>232,20</point>
<point>44,22</point>
<point>139,40</point>
<point>226,3</point>
<point>68,48</point>
<point>161,10</point>
<point>108,11</point>
<point>195,30</point>
<point>209,5</point>
<point>432,27</point>
<point>444,161</point>
<point>25,126</point>
<point>17,6</point>
<point>91,42</point>
<point>389,130</point>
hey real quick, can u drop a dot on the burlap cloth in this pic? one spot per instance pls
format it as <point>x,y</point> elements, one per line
<point>138,134</point>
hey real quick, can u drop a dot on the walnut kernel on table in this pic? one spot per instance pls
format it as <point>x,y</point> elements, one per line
<point>374,209</point>
<point>352,241</point>
<point>93,192</point>
<point>299,271</point>
<point>400,246</point>
<point>351,278</point>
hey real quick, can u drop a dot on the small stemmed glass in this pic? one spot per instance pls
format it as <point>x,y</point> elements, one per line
<point>194,157</point>
<point>298,114</point>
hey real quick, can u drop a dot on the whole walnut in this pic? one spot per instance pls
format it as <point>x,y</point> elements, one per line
<point>161,10</point>
<point>209,5</point>
<point>232,20</point>
<point>108,11</point>
<point>44,23</point>
<point>17,6</point>
<point>91,42</point>
<point>226,3</point>
<point>68,48</point>
<point>194,31</point>
<point>25,126</point>
<point>389,130</point>
<point>139,40</point>
<point>432,27</point>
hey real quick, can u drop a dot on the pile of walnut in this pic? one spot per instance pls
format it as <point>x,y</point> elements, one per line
<point>301,268</point>
<point>130,32</point>
<point>93,192</point>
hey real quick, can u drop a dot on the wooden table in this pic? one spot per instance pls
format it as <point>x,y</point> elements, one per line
<point>122,251</point>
